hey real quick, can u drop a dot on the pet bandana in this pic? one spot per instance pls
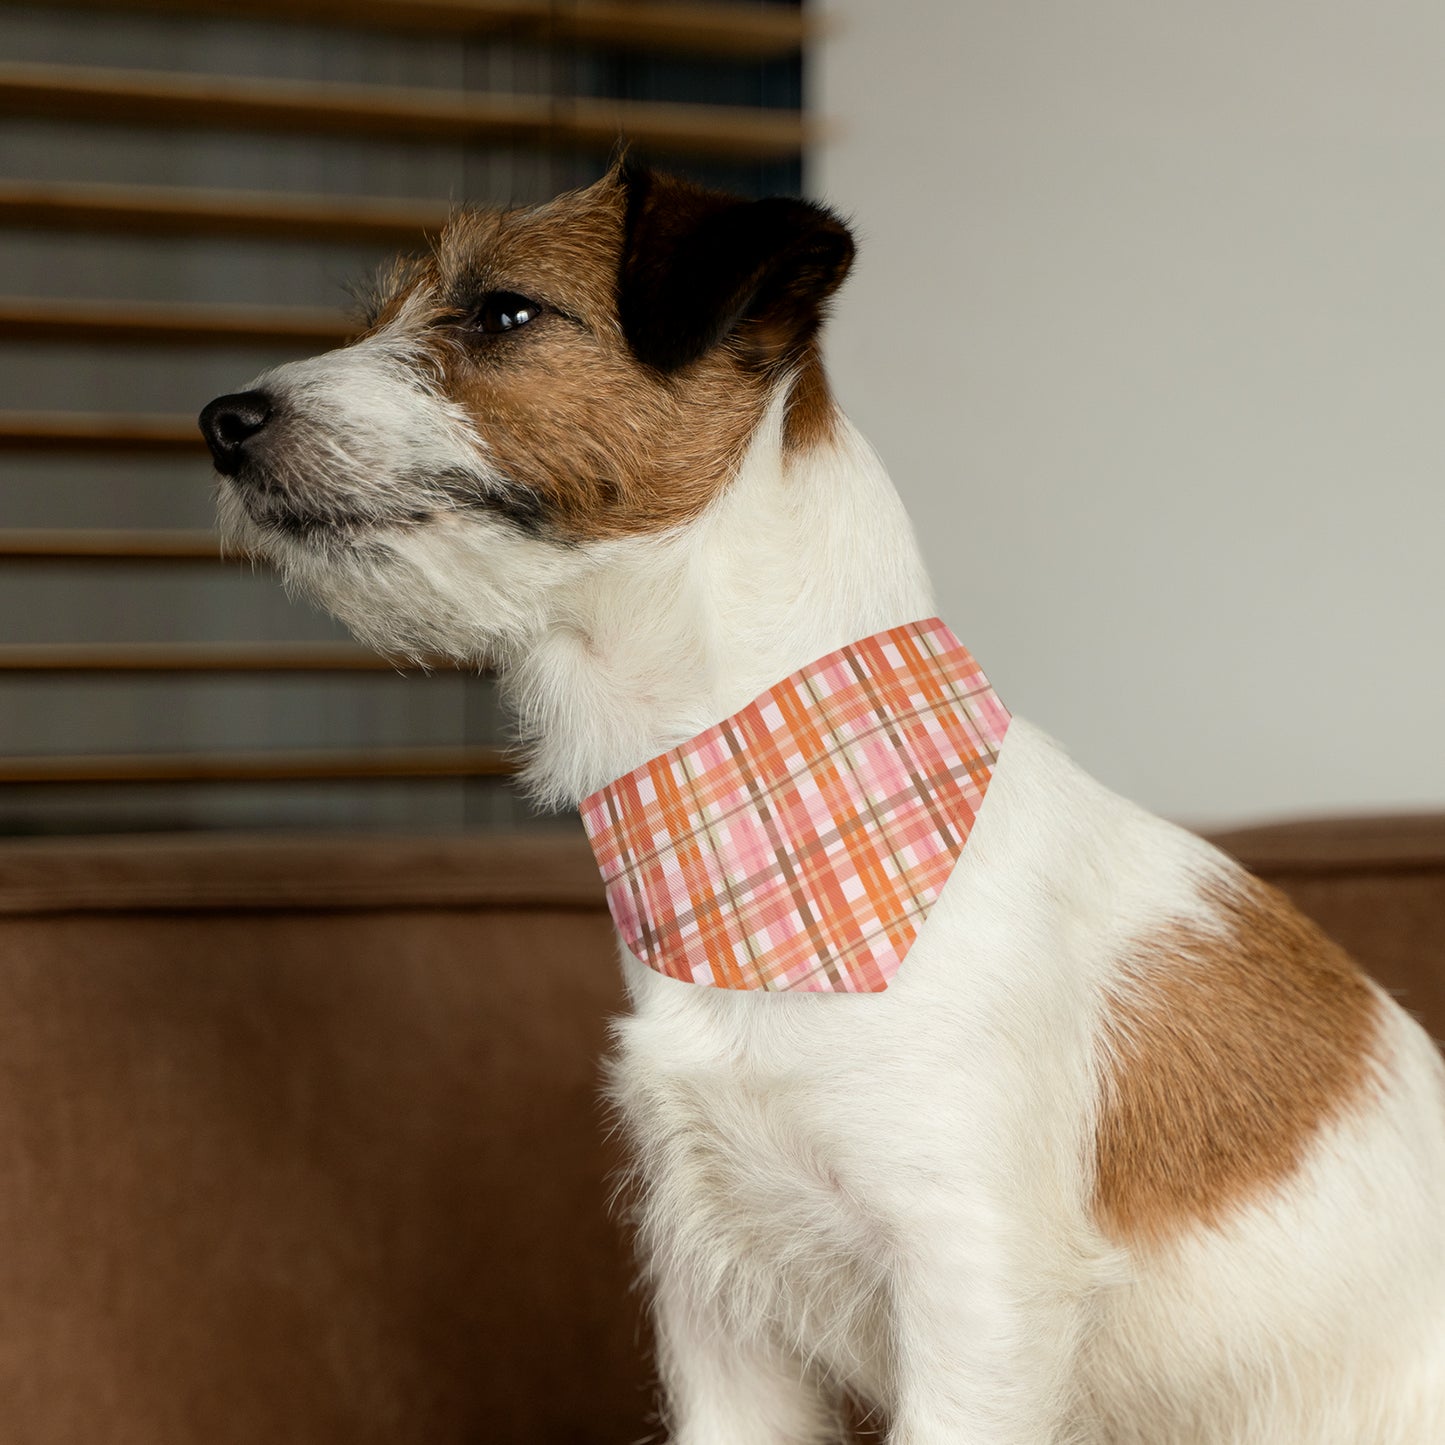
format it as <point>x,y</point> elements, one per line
<point>800,843</point>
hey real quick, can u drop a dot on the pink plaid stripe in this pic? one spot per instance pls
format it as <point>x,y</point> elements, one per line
<point>800,843</point>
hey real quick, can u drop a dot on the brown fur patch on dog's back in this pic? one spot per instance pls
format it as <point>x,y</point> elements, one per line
<point>1226,1052</point>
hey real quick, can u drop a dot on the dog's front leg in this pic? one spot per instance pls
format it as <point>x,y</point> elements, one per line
<point>720,1388</point>
<point>985,1346</point>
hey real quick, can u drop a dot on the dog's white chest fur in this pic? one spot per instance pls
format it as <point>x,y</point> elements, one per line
<point>759,1203</point>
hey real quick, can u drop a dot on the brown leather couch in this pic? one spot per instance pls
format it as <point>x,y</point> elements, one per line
<point>300,1139</point>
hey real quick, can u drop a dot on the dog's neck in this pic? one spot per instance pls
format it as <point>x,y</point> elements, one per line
<point>803,554</point>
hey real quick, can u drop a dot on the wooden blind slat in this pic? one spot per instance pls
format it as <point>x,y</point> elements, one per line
<point>175,210</point>
<point>200,657</point>
<point>170,323</point>
<point>215,102</point>
<point>76,544</point>
<point>709,29</point>
<point>77,431</point>
<point>756,32</point>
<point>259,767</point>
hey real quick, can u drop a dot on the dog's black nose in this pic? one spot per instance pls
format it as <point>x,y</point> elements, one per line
<point>229,422</point>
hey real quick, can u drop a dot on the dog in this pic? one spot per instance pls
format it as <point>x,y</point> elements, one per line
<point>1127,1153</point>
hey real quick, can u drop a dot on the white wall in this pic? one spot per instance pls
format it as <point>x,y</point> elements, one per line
<point>1149,323</point>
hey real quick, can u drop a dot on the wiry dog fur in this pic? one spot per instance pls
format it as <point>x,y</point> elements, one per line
<point>1128,1153</point>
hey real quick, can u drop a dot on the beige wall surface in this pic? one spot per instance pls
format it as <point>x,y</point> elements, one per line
<point>1149,324</point>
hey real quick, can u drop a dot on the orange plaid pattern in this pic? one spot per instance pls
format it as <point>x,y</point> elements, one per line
<point>800,843</point>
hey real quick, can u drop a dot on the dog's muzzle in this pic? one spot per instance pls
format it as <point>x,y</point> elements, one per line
<point>230,422</point>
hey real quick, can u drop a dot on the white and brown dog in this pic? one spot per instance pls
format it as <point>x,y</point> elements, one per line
<point>1128,1153</point>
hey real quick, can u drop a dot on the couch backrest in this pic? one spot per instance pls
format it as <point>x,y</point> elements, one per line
<point>303,1142</point>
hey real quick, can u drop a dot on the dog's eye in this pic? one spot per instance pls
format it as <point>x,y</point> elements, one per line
<point>504,311</point>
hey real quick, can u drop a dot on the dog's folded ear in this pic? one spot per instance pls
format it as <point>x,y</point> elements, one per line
<point>700,266</point>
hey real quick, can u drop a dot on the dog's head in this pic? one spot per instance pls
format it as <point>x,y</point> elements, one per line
<point>547,383</point>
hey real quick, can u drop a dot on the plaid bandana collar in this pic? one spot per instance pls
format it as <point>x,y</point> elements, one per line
<point>800,843</point>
